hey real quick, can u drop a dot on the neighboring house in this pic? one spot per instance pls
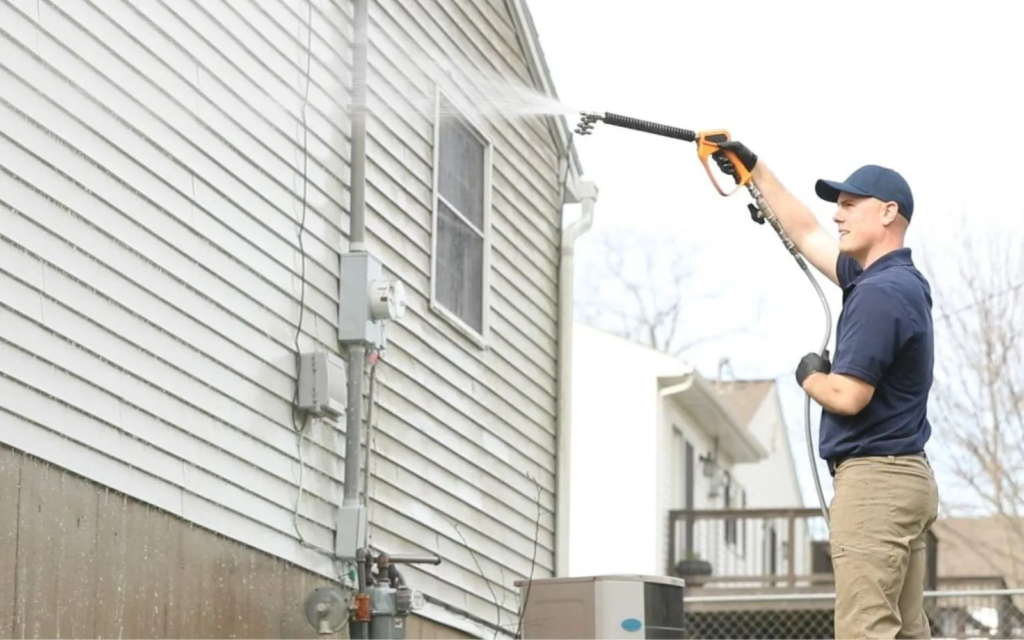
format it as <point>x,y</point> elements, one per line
<point>975,554</point>
<point>755,403</point>
<point>159,250</point>
<point>649,435</point>
<point>982,547</point>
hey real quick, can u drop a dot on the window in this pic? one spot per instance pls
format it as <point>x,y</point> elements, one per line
<point>735,528</point>
<point>730,523</point>
<point>460,257</point>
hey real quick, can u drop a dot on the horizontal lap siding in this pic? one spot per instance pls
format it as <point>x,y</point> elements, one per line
<point>150,189</point>
<point>150,192</point>
<point>466,439</point>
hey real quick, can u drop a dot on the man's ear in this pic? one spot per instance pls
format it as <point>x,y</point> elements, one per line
<point>889,213</point>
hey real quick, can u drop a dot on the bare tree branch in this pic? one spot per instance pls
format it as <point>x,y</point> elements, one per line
<point>978,398</point>
<point>647,288</point>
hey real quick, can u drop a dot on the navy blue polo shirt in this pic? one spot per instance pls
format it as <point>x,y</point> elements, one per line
<point>884,337</point>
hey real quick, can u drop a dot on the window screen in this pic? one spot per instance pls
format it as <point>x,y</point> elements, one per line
<point>461,185</point>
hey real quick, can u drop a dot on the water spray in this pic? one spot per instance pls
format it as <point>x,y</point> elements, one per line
<point>760,211</point>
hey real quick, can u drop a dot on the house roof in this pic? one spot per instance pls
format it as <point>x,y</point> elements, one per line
<point>697,397</point>
<point>981,547</point>
<point>744,397</point>
<point>531,46</point>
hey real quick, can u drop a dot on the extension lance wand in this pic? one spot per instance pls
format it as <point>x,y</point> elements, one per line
<point>707,144</point>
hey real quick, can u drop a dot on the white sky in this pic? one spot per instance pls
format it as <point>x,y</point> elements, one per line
<point>816,90</point>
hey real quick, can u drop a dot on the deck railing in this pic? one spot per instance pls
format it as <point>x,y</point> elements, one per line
<point>756,548</point>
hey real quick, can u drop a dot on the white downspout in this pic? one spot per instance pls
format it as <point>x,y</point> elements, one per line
<point>586,194</point>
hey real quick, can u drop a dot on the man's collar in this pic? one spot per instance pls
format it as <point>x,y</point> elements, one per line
<point>897,258</point>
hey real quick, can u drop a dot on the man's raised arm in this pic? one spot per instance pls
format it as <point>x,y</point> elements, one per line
<point>810,238</point>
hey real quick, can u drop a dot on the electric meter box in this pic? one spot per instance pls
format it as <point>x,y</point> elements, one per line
<point>614,606</point>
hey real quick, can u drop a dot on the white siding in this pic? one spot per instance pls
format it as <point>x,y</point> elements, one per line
<point>769,483</point>
<point>772,483</point>
<point>708,535</point>
<point>617,494</point>
<point>783,491</point>
<point>642,483</point>
<point>151,188</point>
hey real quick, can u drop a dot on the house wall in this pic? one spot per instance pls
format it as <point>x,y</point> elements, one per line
<point>733,548</point>
<point>672,479</point>
<point>81,561</point>
<point>626,479</point>
<point>615,508</point>
<point>773,482</point>
<point>738,547</point>
<point>151,275</point>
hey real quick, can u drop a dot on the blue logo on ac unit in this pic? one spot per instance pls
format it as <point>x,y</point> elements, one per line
<point>631,624</point>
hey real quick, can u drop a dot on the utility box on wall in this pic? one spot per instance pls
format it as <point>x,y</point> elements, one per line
<point>323,389</point>
<point>623,606</point>
<point>366,298</point>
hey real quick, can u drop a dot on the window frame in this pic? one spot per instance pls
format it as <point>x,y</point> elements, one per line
<point>482,337</point>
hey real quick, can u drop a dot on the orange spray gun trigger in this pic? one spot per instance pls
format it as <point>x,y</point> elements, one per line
<point>707,144</point>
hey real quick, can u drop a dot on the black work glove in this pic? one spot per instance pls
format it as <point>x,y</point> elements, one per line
<point>812,363</point>
<point>745,155</point>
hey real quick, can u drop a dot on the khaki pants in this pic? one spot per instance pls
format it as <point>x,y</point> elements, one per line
<point>882,509</point>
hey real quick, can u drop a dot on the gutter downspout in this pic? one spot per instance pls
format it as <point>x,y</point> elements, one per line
<point>586,194</point>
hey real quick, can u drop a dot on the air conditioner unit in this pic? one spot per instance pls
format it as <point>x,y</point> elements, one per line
<point>615,606</point>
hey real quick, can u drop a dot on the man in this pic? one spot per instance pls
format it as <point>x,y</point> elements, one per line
<point>874,423</point>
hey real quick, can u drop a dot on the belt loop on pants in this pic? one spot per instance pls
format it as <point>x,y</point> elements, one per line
<point>833,465</point>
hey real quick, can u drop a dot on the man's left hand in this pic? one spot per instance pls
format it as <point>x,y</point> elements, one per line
<point>812,363</point>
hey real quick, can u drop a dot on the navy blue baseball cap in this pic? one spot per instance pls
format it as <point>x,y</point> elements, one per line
<point>872,181</point>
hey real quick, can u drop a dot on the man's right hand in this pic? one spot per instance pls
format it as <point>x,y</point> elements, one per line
<point>796,219</point>
<point>745,155</point>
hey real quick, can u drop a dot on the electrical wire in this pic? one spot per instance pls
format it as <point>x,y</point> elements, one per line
<point>376,357</point>
<point>305,206</point>
<point>300,422</point>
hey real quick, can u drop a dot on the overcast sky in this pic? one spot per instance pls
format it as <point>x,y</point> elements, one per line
<point>816,90</point>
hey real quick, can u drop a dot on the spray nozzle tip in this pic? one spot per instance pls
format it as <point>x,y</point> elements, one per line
<point>587,120</point>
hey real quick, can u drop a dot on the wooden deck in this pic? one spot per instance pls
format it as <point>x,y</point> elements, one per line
<point>759,559</point>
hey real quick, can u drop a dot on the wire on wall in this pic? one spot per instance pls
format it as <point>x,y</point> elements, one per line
<point>372,418</point>
<point>296,418</point>
<point>300,422</point>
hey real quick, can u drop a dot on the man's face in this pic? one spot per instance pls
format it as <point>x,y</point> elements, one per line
<point>861,222</point>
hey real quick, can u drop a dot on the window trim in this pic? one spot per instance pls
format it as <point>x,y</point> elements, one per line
<point>479,338</point>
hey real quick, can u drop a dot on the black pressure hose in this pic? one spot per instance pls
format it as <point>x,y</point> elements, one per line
<point>769,215</point>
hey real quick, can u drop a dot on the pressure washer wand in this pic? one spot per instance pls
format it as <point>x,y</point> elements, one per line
<point>587,120</point>
<point>761,211</point>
